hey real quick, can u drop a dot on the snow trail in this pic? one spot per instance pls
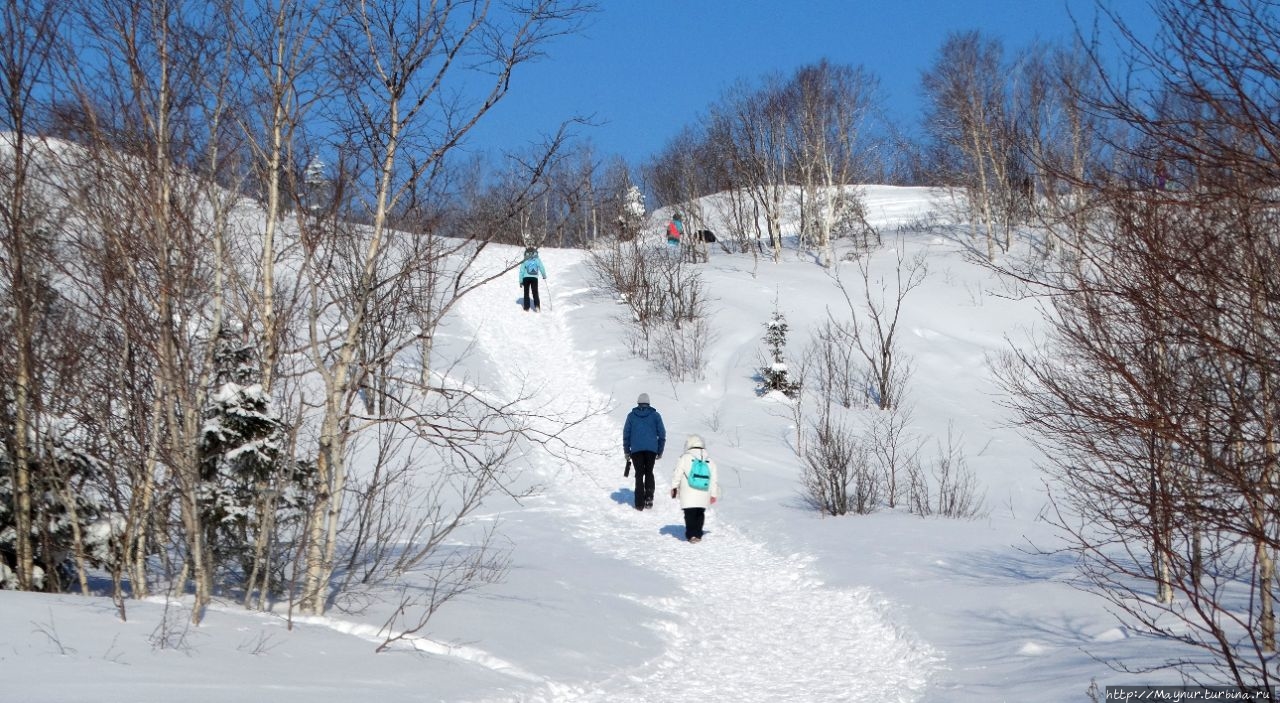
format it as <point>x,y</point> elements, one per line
<point>748,624</point>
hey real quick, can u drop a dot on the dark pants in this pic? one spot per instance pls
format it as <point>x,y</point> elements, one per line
<point>693,519</point>
<point>642,464</point>
<point>531,284</point>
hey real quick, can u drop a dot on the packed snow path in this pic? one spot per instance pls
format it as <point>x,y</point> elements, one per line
<point>748,624</point>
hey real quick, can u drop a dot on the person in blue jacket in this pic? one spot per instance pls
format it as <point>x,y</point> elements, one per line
<point>529,270</point>
<point>643,439</point>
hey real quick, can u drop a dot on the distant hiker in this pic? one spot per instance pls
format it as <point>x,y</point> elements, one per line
<point>529,271</point>
<point>696,482</point>
<point>675,230</point>
<point>643,439</point>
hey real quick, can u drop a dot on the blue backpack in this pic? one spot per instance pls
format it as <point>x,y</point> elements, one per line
<point>531,268</point>
<point>699,476</point>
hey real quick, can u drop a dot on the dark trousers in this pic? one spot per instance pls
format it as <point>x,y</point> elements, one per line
<point>693,520</point>
<point>642,464</point>
<point>531,284</point>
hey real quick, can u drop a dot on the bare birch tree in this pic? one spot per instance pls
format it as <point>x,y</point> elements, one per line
<point>747,130</point>
<point>395,64</point>
<point>284,44</point>
<point>153,102</point>
<point>872,327</point>
<point>1154,399</point>
<point>29,45</point>
<point>966,93</point>
<point>829,108</point>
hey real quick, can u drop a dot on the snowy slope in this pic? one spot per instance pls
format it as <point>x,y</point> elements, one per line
<point>603,603</point>
<point>745,622</point>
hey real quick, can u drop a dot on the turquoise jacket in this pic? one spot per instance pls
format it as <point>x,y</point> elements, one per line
<point>531,268</point>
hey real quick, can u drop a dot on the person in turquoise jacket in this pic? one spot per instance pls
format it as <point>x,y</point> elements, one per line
<point>529,270</point>
<point>695,496</point>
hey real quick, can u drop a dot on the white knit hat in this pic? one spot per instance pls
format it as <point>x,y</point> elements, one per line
<point>643,399</point>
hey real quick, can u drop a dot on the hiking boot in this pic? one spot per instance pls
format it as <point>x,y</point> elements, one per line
<point>648,503</point>
<point>694,540</point>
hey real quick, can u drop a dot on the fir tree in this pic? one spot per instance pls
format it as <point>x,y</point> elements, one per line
<point>774,376</point>
<point>631,213</point>
<point>241,454</point>
<point>67,507</point>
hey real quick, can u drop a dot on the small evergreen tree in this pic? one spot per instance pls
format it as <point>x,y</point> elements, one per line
<point>631,216</point>
<point>774,375</point>
<point>242,453</point>
<point>318,190</point>
<point>71,522</point>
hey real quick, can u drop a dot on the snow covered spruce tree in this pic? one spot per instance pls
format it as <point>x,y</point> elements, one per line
<point>144,264</point>
<point>250,488</point>
<point>774,374</point>
<point>630,207</point>
<point>71,529</point>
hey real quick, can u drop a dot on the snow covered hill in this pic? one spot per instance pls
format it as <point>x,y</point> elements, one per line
<point>604,603</point>
<point>742,621</point>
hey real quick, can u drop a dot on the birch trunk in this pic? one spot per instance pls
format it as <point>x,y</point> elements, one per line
<point>22,402</point>
<point>331,464</point>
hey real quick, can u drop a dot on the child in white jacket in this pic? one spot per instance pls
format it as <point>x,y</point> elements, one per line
<point>694,500</point>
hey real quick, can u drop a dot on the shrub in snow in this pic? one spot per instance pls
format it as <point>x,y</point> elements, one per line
<point>872,326</point>
<point>831,369</point>
<point>666,302</point>
<point>952,489</point>
<point>841,213</point>
<point>837,474</point>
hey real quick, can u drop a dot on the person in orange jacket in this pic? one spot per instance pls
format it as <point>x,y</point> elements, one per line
<point>675,231</point>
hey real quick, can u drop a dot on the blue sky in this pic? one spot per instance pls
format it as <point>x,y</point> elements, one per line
<point>646,68</point>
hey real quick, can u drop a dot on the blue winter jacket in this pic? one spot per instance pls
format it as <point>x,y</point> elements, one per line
<point>643,431</point>
<point>523,270</point>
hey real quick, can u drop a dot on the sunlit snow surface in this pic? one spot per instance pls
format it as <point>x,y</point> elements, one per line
<point>603,603</point>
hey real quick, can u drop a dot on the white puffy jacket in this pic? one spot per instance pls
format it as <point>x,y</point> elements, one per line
<point>692,497</point>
